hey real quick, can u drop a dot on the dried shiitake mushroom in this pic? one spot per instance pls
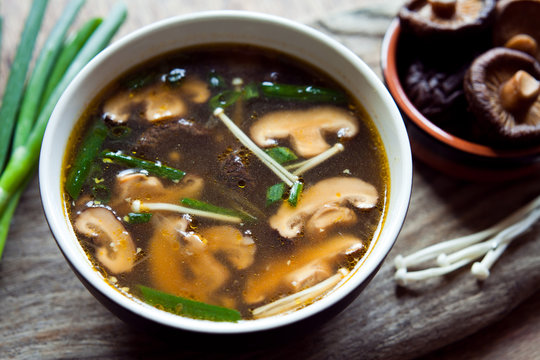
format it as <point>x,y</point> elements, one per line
<point>502,88</point>
<point>516,26</point>
<point>449,19</point>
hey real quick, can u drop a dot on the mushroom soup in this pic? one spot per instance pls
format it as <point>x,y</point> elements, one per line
<point>225,182</point>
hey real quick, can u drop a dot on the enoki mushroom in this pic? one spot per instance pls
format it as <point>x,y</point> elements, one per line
<point>454,254</point>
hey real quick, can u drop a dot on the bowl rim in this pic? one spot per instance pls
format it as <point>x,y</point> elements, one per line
<point>57,221</point>
<point>389,49</point>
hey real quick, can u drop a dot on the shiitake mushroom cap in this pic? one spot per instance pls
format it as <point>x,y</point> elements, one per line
<point>482,84</point>
<point>514,18</point>
<point>469,21</point>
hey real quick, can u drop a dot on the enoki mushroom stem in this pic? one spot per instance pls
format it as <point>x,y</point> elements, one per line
<point>303,166</point>
<point>454,254</point>
<point>272,164</point>
<point>139,206</point>
<point>300,298</point>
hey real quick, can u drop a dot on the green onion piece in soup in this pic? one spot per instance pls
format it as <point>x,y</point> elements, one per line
<point>224,99</point>
<point>302,92</point>
<point>281,154</point>
<point>295,192</point>
<point>187,307</point>
<point>82,165</point>
<point>275,193</point>
<point>201,205</point>
<point>154,168</point>
<point>137,218</point>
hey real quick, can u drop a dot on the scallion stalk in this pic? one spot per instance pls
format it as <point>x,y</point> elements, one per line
<point>17,77</point>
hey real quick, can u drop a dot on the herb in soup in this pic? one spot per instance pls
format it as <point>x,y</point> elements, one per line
<point>226,182</point>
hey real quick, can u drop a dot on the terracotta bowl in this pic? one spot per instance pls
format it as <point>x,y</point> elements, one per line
<point>226,27</point>
<point>440,149</point>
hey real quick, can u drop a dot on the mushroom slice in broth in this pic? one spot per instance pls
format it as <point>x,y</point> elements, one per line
<point>115,248</point>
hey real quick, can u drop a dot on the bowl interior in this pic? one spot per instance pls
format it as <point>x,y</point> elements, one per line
<point>226,27</point>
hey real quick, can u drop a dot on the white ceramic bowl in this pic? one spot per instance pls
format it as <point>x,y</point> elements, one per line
<point>226,27</point>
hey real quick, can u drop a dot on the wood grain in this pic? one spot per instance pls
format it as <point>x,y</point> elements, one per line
<point>47,314</point>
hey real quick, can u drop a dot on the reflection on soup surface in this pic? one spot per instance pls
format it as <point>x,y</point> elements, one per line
<point>225,182</point>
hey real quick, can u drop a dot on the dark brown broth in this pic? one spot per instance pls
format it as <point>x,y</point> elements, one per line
<point>364,156</point>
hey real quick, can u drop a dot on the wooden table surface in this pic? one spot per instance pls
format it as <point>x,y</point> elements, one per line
<point>45,312</point>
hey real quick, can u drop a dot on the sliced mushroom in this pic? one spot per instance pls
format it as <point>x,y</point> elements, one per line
<point>237,248</point>
<point>160,102</point>
<point>502,91</point>
<point>328,216</point>
<point>516,26</point>
<point>115,248</point>
<point>305,128</point>
<point>446,19</point>
<point>301,270</point>
<point>195,90</point>
<point>332,193</point>
<point>181,263</point>
<point>139,186</point>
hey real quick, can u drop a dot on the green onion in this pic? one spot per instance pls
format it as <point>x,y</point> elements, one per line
<point>70,49</point>
<point>224,99</point>
<point>295,192</point>
<point>187,307</point>
<point>24,158</point>
<point>154,168</point>
<point>101,193</point>
<point>137,218</point>
<point>302,92</point>
<point>201,205</point>
<point>281,154</point>
<point>82,164</point>
<point>17,77</point>
<point>31,102</point>
<point>275,193</point>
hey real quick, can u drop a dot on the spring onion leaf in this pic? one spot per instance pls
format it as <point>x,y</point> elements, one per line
<point>82,164</point>
<point>216,81</point>
<point>295,192</point>
<point>33,94</point>
<point>224,99</point>
<point>71,48</point>
<point>187,307</point>
<point>201,205</point>
<point>17,77</point>
<point>281,154</point>
<point>275,193</point>
<point>302,92</point>
<point>154,168</point>
<point>138,218</point>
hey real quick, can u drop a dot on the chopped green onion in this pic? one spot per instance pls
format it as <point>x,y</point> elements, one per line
<point>154,168</point>
<point>275,193</point>
<point>281,154</point>
<point>82,165</point>
<point>224,99</point>
<point>138,218</point>
<point>187,307</point>
<point>201,205</point>
<point>17,77</point>
<point>250,91</point>
<point>295,192</point>
<point>101,193</point>
<point>302,92</point>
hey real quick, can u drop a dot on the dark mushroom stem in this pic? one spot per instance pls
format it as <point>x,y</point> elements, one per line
<point>519,92</point>
<point>443,9</point>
